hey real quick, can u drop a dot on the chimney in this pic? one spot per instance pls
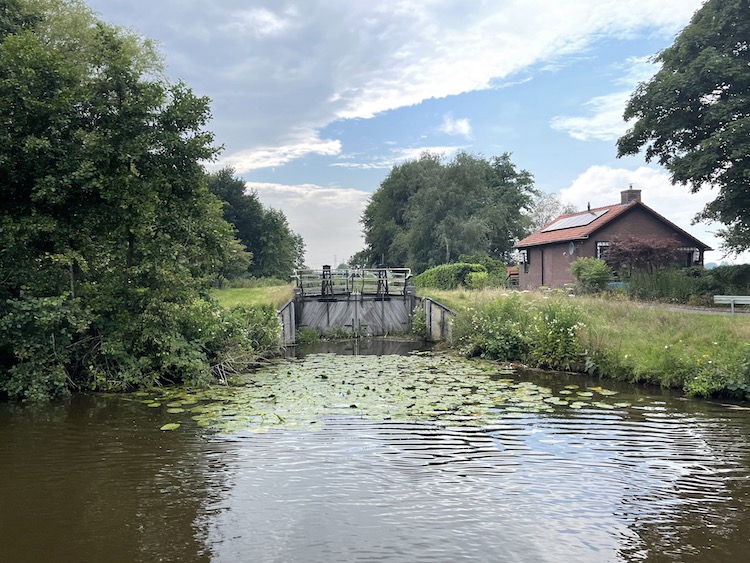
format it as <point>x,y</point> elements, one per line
<point>630,195</point>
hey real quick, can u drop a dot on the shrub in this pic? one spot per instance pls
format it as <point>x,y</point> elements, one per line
<point>447,276</point>
<point>419,322</point>
<point>592,274</point>
<point>728,280</point>
<point>554,337</point>
<point>477,280</point>
<point>495,331</point>
<point>306,335</point>
<point>38,346</point>
<point>671,285</point>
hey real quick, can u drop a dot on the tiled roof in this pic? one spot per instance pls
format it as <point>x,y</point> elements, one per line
<point>610,213</point>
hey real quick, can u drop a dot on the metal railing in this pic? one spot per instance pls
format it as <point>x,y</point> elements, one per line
<point>383,282</point>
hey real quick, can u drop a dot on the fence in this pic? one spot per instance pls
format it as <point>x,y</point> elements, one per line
<point>439,319</point>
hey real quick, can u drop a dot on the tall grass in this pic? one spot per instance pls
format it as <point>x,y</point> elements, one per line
<point>703,353</point>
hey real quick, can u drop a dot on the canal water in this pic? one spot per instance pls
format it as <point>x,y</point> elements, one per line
<point>531,467</point>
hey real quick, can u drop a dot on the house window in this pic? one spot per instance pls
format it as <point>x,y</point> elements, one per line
<point>602,248</point>
<point>524,259</point>
<point>693,255</point>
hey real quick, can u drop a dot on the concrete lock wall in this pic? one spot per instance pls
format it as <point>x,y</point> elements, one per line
<point>361,315</point>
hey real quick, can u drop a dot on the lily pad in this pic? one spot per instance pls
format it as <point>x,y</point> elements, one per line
<point>170,426</point>
<point>302,393</point>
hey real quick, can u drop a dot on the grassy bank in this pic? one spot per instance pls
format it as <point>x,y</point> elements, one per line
<point>702,353</point>
<point>253,296</point>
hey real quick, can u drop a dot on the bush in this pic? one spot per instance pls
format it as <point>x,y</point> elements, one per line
<point>39,342</point>
<point>592,274</point>
<point>495,331</point>
<point>509,329</point>
<point>728,280</point>
<point>671,285</point>
<point>447,276</point>
<point>419,322</point>
<point>555,337</point>
<point>477,280</point>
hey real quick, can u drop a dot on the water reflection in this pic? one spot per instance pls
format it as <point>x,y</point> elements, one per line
<point>93,479</point>
<point>530,489</point>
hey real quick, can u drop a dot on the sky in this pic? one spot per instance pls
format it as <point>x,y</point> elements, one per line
<point>314,101</point>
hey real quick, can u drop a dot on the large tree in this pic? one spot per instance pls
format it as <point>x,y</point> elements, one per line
<point>427,213</point>
<point>264,231</point>
<point>547,207</point>
<point>693,116</point>
<point>109,237</point>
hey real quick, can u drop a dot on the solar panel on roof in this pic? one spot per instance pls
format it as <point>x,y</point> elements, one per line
<point>580,220</point>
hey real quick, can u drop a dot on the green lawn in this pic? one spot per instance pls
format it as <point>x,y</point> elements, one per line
<point>275,295</point>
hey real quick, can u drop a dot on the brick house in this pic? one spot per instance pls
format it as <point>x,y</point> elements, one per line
<point>546,255</point>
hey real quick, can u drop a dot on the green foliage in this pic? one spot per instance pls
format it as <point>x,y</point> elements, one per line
<point>670,286</point>
<point>497,331</point>
<point>447,276</point>
<point>477,280</point>
<point>554,336</point>
<point>691,285</point>
<point>497,275</point>
<point>427,213</point>
<point>728,280</point>
<point>109,237</point>
<point>307,335</point>
<point>275,249</point>
<point>339,333</point>
<point>42,334</point>
<point>693,116</point>
<point>591,274</point>
<point>419,323</point>
<point>545,334</point>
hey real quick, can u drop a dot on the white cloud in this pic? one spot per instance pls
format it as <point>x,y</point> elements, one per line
<point>434,52</point>
<point>460,127</point>
<point>396,156</point>
<point>326,217</point>
<point>259,22</point>
<point>270,157</point>
<point>604,121</point>
<point>271,71</point>
<point>601,185</point>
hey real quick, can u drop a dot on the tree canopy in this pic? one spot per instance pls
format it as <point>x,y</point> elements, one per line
<point>276,249</point>
<point>427,213</point>
<point>547,207</point>
<point>109,237</point>
<point>630,253</point>
<point>693,116</point>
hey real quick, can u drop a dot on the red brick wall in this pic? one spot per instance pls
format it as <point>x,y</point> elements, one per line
<point>548,265</point>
